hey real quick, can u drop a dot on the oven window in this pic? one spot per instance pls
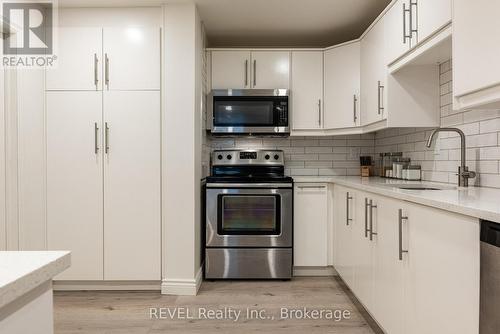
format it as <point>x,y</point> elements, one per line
<point>249,214</point>
<point>243,113</point>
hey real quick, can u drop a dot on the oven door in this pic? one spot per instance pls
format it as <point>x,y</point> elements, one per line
<point>248,217</point>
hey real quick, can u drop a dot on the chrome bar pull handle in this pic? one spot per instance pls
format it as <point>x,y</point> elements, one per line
<point>347,199</point>
<point>106,138</point>
<point>355,101</point>
<point>312,187</point>
<point>106,70</point>
<point>96,73</point>
<point>319,112</point>
<point>406,11</point>
<point>366,217</point>
<point>96,147</point>
<point>379,97</point>
<point>371,220</point>
<point>413,4</point>
<point>400,230</point>
<point>246,72</point>
<point>254,72</point>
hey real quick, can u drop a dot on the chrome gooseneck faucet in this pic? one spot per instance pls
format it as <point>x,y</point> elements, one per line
<point>463,171</point>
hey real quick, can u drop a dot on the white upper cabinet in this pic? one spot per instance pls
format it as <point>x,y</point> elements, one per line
<point>230,69</point>
<point>342,86</point>
<point>373,75</point>
<point>79,65</point>
<point>132,58</point>
<point>409,22</point>
<point>310,224</point>
<point>397,31</point>
<point>235,69</point>
<point>476,69</point>
<point>307,89</point>
<point>428,16</point>
<point>270,69</point>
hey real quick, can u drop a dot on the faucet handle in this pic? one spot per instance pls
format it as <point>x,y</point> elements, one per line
<point>468,173</point>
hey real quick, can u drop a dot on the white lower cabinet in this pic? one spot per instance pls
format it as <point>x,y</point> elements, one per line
<point>414,268</point>
<point>310,225</point>
<point>74,181</point>
<point>103,183</point>
<point>345,218</point>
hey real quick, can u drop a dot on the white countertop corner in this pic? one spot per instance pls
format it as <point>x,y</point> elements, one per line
<point>21,272</point>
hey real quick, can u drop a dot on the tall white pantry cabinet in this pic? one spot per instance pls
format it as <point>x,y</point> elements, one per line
<point>103,153</point>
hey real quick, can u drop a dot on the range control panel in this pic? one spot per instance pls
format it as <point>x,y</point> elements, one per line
<point>247,157</point>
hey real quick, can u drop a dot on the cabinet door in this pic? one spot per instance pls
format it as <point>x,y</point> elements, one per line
<point>74,181</point>
<point>373,75</point>
<point>388,275</point>
<point>132,58</point>
<point>397,31</point>
<point>475,56</point>
<point>132,186</point>
<point>431,16</point>
<point>307,89</point>
<point>270,69</point>
<point>342,82</point>
<point>310,224</point>
<point>230,69</point>
<point>363,285</point>
<point>79,65</point>
<point>443,278</point>
<point>344,220</point>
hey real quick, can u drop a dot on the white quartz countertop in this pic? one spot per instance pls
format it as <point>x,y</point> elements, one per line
<point>21,272</point>
<point>480,202</point>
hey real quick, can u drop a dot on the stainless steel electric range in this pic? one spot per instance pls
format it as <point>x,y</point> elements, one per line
<point>249,216</point>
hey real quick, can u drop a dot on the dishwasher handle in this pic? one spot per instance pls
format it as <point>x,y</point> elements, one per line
<point>490,233</point>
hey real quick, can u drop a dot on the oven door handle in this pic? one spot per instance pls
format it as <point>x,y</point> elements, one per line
<point>249,185</point>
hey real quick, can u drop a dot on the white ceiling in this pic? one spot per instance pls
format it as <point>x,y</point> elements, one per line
<point>272,23</point>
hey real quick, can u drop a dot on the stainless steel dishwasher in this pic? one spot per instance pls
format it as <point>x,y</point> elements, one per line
<point>489,322</point>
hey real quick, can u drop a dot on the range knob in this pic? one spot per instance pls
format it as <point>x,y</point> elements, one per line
<point>229,157</point>
<point>276,157</point>
<point>220,157</point>
<point>267,157</point>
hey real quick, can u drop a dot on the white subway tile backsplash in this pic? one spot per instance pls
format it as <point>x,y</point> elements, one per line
<point>319,149</point>
<point>480,115</point>
<point>487,139</point>
<point>490,153</point>
<point>318,164</point>
<point>492,125</point>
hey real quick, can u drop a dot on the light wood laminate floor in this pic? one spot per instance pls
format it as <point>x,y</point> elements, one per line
<point>114,312</point>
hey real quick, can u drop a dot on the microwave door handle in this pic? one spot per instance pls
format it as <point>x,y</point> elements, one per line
<point>246,72</point>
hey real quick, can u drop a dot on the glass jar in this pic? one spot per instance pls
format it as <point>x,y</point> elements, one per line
<point>413,173</point>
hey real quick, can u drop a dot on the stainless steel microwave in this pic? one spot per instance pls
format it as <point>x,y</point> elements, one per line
<point>248,111</point>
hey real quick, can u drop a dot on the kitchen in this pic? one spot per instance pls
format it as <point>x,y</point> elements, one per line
<point>180,157</point>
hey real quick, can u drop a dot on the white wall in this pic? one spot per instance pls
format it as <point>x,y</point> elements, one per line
<point>181,149</point>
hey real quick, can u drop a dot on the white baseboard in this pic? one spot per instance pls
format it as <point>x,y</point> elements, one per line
<point>314,271</point>
<point>182,287</point>
<point>106,285</point>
